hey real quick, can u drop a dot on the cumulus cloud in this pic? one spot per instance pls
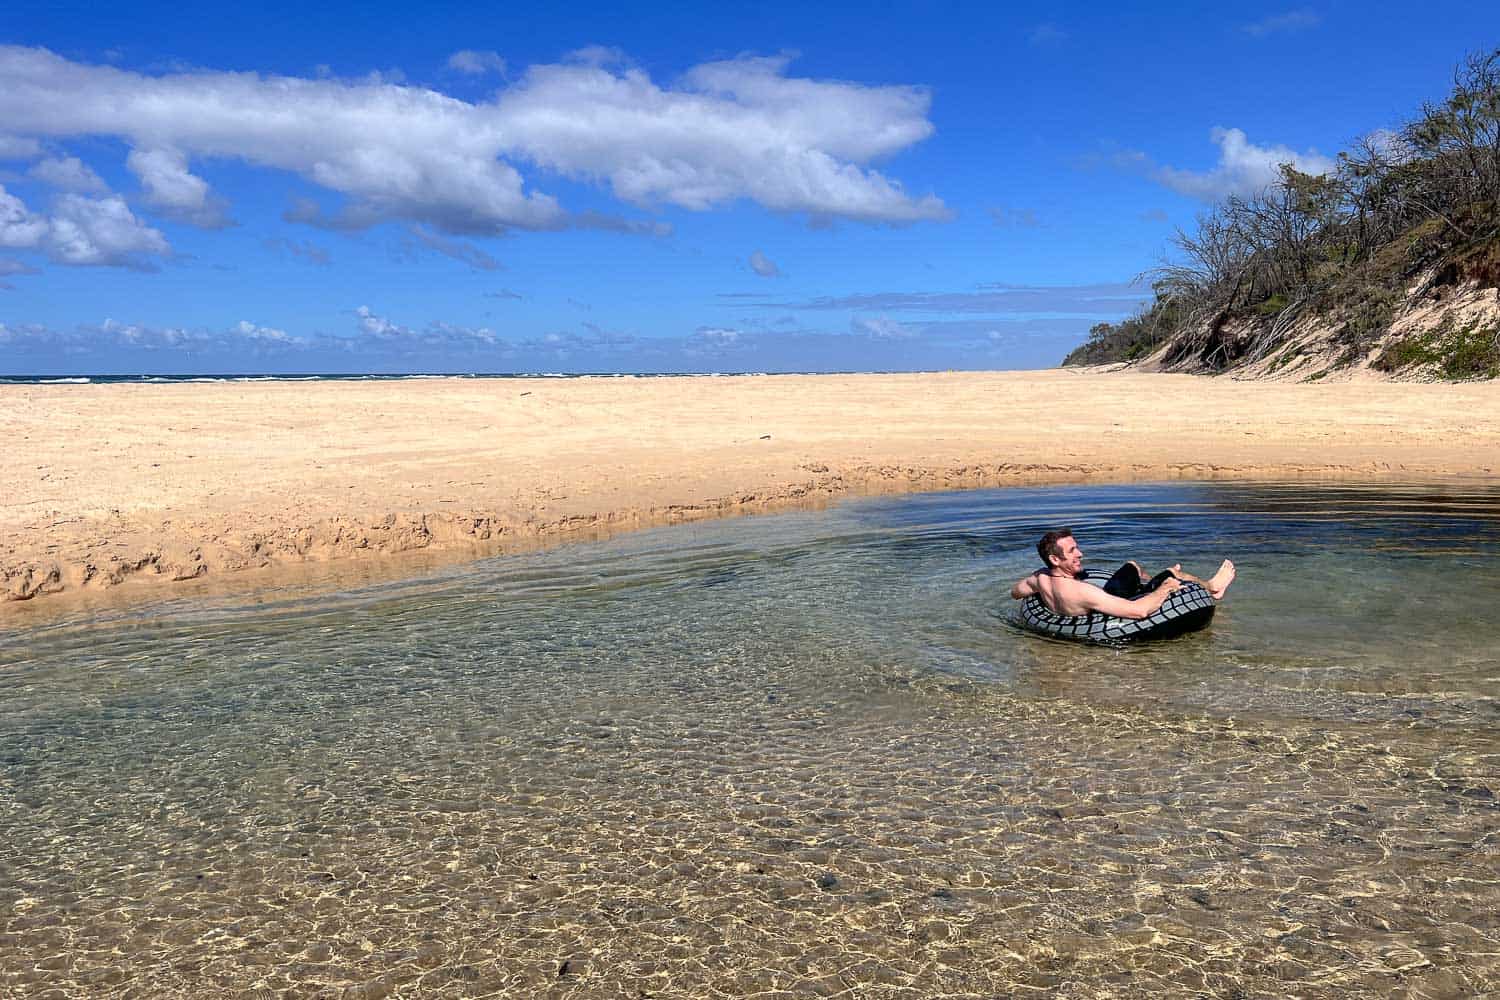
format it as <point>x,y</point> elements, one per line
<point>726,131</point>
<point>379,327</point>
<point>250,331</point>
<point>734,129</point>
<point>1243,168</point>
<point>101,231</point>
<point>1293,20</point>
<point>68,173</point>
<point>476,63</point>
<point>175,192</point>
<point>81,231</point>
<point>436,335</point>
<point>764,266</point>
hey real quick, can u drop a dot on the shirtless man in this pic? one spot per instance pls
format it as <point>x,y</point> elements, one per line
<point>1127,594</point>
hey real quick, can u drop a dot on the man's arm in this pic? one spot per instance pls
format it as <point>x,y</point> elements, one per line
<point>1027,587</point>
<point>1094,599</point>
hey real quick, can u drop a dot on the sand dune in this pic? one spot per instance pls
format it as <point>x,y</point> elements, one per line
<point>112,484</point>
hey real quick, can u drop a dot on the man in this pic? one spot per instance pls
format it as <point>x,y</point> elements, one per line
<point>1124,596</point>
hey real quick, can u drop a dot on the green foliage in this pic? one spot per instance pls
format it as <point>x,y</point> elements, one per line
<point>1341,247</point>
<point>1474,352</point>
<point>1449,351</point>
<point>1367,312</point>
<point>1111,342</point>
<point>1271,306</point>
<point>1409,353</point>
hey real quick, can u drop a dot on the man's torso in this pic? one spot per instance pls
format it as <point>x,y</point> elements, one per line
<point>1062,594</point>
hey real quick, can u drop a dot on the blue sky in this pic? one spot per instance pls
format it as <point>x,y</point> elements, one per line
<point>295,188</point>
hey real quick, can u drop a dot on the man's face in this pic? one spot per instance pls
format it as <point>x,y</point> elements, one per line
<point>1069,558</point>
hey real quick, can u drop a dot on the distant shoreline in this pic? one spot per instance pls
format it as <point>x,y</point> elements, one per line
<point>112,485</point>
<point>149,378</point>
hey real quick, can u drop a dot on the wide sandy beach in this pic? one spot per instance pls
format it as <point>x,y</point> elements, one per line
<point>153,483</point>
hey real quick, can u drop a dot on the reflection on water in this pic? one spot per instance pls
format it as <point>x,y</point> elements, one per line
<point>790,756</point>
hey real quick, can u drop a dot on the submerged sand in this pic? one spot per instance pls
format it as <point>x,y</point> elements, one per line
<point>109,484</point>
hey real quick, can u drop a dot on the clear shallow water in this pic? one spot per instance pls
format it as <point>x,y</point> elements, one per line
<point>802,753</point>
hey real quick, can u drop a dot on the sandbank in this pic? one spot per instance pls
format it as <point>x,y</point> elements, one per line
<point>114,486</point>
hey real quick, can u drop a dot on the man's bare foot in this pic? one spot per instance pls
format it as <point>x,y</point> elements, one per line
<point>1220,581</point>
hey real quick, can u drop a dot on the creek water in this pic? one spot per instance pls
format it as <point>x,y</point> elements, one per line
<point>806,754</point>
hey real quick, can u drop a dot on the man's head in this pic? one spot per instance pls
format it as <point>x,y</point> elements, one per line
<point>1059,550</point>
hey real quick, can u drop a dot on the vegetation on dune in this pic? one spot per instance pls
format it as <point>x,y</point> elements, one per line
<point>1341,248</point>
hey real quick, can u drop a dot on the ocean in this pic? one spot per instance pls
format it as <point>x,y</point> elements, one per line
<point>350,377</point>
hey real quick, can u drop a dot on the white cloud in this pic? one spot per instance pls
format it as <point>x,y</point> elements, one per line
<point>476,63</point>
<point>714,338</point>
<point>372,325</point>
<point>81,231</point>
<point>1243,168</point>
<point>764,266</point>
<point>15,147</point>
<point>734,129</point>
<point>70,174</point>
<point>101,231</point>
<point>436,334</point>
<point>113,334</point>
<point>250,331</point>
<point>1293,20</point>
<point>19,228</point>
<point>173,191</point>
<point>738,129</point>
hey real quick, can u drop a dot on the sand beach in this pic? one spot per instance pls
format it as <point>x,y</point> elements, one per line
<point>107,485</point>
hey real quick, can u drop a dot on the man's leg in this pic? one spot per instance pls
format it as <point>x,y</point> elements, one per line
<point>1126,582</point>
<point>1215,585</point>
<point>1161,578</point>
